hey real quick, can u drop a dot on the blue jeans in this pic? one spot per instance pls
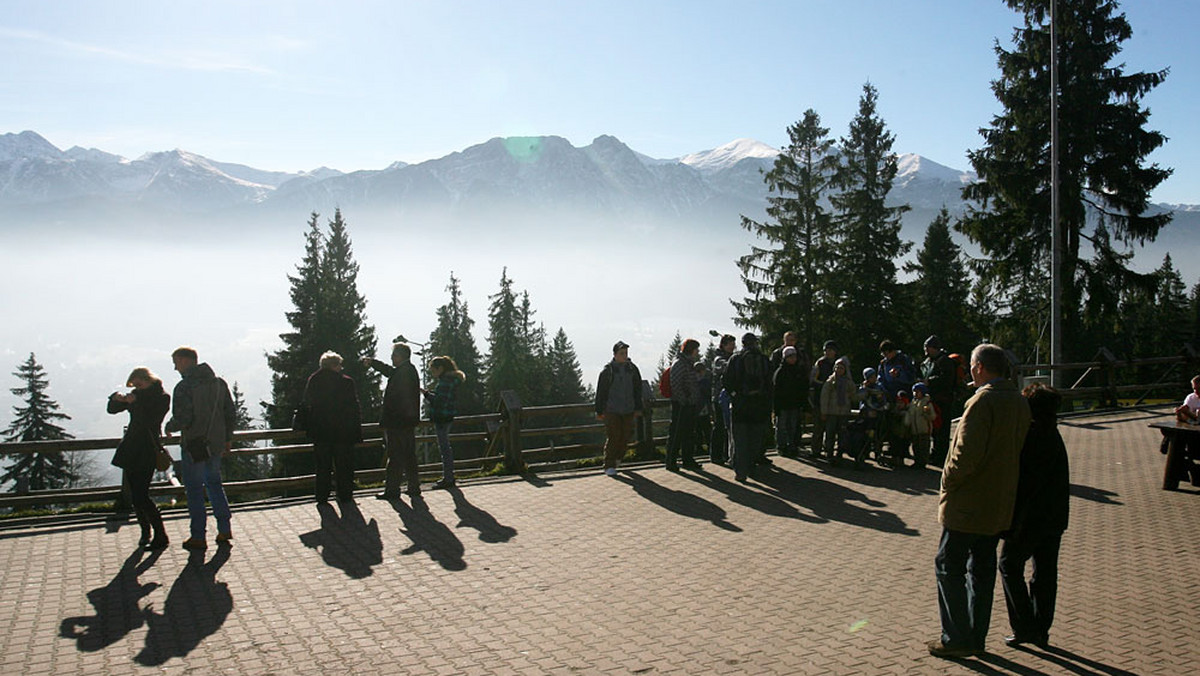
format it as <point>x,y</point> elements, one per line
<point>197,478</point>
<point>966,577</point>
<point>442,430</point>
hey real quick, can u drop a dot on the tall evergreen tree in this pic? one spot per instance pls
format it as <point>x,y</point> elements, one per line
<point>566,378</point>
<point>1105,182</point>
<point>507,349</point>
<point>453,338</point>
<point>328,314</point>
<point>938,302</point>
<point>786,275</point>
<point>36,420</point>
<point>869,243</point>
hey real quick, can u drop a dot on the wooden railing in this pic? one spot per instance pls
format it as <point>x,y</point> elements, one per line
<point>1099,380</point>
<point>504,435</point>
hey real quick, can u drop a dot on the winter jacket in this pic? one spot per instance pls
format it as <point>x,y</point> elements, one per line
<point>402,397</point>
<point>791,387</point>
<point>611,372</point>
<point>919,416</point>
<point>1044,486</point>
<point>685,382</point>
<point>748,380</point>
<point>979,479</point>
<point>719,367</point>
<point>443,401</point>
<point>334,415</point>
<point>940,373</point>
<point>838,395</point>
<point>872,398</point>
<point>139,445</point>
<point>906,374</point>
<point>203,407</point>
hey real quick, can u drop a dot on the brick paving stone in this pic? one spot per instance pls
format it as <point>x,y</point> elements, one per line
<point>813,570</point>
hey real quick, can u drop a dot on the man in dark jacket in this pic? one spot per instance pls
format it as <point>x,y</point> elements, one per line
<point>791,392</point>
<point>940,373</point>
<point>1039,519</point>
<point>618,403</point>
<point>334,426</point>
<point>718,446</point>
<point>749,383</point>
<point>821,370</point>
<point>399,418</point>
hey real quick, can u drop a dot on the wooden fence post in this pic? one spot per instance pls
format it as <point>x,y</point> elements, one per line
<point>510,415</point>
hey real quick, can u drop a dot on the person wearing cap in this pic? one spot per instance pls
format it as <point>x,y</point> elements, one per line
<point>720,443</point>
<point>748,381</point>
<point>618,403</point>
<point>821,370</point>
<point>939,372</point>
<point>789,340</point>
<point>976,501</point>
<point>791,391</point>
<point>685,406</point>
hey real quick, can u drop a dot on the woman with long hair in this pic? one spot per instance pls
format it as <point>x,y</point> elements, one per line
<point>442,408</point>
<point>137,453</point>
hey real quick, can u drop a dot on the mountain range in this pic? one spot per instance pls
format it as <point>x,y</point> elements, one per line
<point>606,179</point>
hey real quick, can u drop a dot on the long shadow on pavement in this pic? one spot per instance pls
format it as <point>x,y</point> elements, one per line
<point>195,609</point>
<point>429,535</point>
<point>764,502</point>
<point>1100,495</point>
<point>490,530</point>
<point>116,604</point>
<point>348,542</point>
<point>679,502</point>
<point>1075,663</point>
<point>832,501</point>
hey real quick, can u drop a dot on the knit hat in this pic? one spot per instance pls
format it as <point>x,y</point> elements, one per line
<point>749,339</point>
<point>934,342</point>
<point>620,345</point>
<point>921,387</point>
<point>869,373</point>
<point>830,345</point>
<point>789,351</point>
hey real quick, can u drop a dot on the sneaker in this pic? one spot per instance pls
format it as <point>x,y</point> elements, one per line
<point>442,484</point>
<point>611,471</point>
<point>195,545</point>
<point>157,544</point>
<point>224,538</point>
<point>387,496</point>
<point>939,649</point>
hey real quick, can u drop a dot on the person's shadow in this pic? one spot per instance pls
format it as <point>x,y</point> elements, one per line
<point>348,543</point>
<point>195,609</point>
<point>679,502</point>
<point>116,604</point>
<point>833,502</point>
<point>490,530</point>
<point>743,495</point>
<point>429,535</point>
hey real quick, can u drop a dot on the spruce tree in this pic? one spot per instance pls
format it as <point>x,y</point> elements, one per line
<point>786,274</point>
<point>328,314</point>
<point>565,377</point>
<point>869,243</point>
<point>453,338</point>
<point>938,295</point>
<point>36,420</point>
<point>507,354</point>
<point>1105,181</point>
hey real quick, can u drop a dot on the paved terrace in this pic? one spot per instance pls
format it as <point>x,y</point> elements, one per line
<point>811,571</point>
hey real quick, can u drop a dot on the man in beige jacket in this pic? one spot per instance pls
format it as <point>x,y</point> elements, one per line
<point>979,487</point>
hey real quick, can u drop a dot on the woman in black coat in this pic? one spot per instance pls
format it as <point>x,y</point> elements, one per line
<point>334,426</point>
<point>137,453</point>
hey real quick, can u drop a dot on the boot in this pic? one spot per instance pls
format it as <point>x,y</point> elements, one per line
<point>160,540</point>
<point>144,525</point>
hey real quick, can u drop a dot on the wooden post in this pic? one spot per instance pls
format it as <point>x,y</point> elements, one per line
<point>645,424</point>
<point>510,416</point>
<point>1110,377</point>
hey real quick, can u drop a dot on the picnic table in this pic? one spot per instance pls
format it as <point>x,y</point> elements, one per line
<point>1178,434</point>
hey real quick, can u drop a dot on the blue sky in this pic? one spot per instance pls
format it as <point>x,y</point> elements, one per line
<point>358,85</point>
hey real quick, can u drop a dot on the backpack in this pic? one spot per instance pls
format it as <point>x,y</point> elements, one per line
<point>664,383</point>
<point>754,374</point>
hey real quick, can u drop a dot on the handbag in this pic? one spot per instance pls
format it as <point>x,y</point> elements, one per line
<point>300,419</point>
<point>162,459</point>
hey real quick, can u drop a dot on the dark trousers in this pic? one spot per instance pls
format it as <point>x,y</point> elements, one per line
<point>683,441</point>
<point>749,442</point>
<point>1030,609</point>
<point>336,459</point>
<point>401,443</point>
<point>147,513</point>
<point>966,575</point>
<point>718,450</point>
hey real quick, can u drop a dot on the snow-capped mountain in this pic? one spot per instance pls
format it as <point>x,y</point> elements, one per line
<point>728,155</point>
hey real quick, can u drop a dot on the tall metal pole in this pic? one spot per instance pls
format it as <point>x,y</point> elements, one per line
<point>1056,243</point>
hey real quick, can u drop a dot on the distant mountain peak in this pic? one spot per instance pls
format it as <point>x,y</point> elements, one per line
<point>729,154</point>
<point>27,145</point>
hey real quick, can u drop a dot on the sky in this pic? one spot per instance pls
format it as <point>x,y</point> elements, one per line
<point>292,86</point>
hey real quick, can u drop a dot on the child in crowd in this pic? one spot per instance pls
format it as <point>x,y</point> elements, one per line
<point>837,398</point>
<point>918,419</point>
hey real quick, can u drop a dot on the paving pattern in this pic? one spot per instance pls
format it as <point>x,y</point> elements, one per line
<point>813,570</point>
